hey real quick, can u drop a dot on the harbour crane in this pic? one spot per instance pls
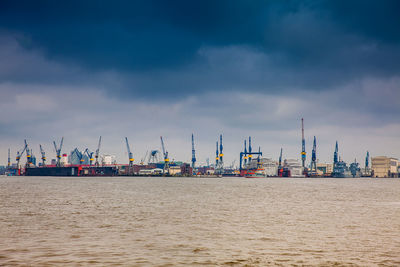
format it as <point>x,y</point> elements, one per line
<point>9,159</point>
<point>153,157</point>
<point>19,155</point>
<point>90,156</point>
<point>80,157</point>
<point>144,158</point>
<point>245,153</point>
<point>303,145</point>
<point>130,155</point>
<point>250,155</point>
<point>280,167</point>
<point>166,159</point>
<point>259,163</point>
<point>193,154</point>
<point>314,157</point>
<point>221,154</point>
<point>43,155</point>
<point>335,155</point>
<point>367,171</point>
<point>58,151</point>
<point>216,156</point>
<point>98,153</point>
<point>28,155</point>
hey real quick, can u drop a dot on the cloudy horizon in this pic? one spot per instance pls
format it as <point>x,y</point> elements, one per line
<point>146,69</point>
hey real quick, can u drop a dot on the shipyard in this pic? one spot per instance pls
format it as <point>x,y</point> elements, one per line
<point>200,133</point>
<point>252,164</point>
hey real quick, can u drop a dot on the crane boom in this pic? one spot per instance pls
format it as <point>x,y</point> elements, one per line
<point>58,151</point>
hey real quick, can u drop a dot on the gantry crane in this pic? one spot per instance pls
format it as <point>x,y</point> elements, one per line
<point>58,151</point>
<point>166,159</point>
<point>43,155</point>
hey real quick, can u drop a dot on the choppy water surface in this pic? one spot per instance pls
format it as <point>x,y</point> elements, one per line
<point>189,222</point>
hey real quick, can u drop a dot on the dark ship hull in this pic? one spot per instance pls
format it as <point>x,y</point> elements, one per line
<point>71,171</point>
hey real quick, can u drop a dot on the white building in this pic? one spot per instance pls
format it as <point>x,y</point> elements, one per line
<point>107,160</point>
<point>269,166</point>
<point>295,167</point>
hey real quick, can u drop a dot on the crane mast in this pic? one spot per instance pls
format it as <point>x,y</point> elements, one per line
<point>43,155</point>
<point>303,144</point>
<point>314,157</point>
<point>58,151</point>
<point>335,155</point>
<point>166,159</point>
<point>193,155</point>
<point>9,159</point>
<point>28,155</point>
<point>130,155</point>
<point>216,156</point>
<point>19,155</point>
<point>250,155</point>
<point>90,156</point>
<point>221,154</point>
<point>245,152</point>
<point>98,152</point>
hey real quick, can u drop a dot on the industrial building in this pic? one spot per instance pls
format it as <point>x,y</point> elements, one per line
<point>325,168</point>
<point>294,167</point>
<point>269,166</point>
<point>384,167</point>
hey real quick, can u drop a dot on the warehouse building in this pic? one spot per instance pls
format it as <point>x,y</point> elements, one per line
<point>384,167</point>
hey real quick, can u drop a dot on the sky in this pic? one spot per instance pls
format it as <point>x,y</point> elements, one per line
<point>145,69</point>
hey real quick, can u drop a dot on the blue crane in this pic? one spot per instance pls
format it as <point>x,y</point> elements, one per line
<point>28,155</point>
<point>98,152</point>
<point>166,159</point>
<point>314,156</point>
<point>130,155</point>
<point>367,161</point>
<point>335,155</point>
<point>245,153</point>
<point>90,156</point>
<point>250,154</point>
<point>280,161</point>
<point>43,155</point>
<point>303,144</point>
<point>58,151</point>
<point>9,159</point>
<point>193,154</point>
<point>216,156</point>
<point>19,155</point>
<point>221,154</point>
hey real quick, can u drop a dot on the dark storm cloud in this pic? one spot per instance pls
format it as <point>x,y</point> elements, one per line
<point>148,35</point>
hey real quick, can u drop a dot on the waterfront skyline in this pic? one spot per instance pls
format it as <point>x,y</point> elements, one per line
<point>148,68</point>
